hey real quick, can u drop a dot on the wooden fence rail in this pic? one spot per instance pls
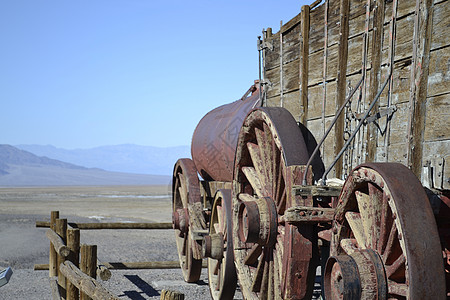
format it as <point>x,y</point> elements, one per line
<point>96,226</point>
<point>57,243</point>
<point>73,268</point>
<point>85,283</point>
<point>103,267</point>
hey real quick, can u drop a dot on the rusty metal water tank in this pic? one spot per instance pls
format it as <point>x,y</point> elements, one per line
<point>215,138</point>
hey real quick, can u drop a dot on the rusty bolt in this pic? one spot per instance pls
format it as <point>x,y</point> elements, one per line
<point>394,216</point>
<point>298,275</point>
<point>400,236</point>
<point>314,213</point>
<point>302,213</point>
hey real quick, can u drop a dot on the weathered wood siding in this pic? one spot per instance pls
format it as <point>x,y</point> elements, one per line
<point>324,52</point>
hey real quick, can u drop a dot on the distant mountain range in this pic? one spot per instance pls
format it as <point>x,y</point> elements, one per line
<point>22,168</point>
<point>127,158</point>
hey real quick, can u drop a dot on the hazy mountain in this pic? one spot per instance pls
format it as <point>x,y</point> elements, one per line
<point>120,158</point>
<point>22,168</point>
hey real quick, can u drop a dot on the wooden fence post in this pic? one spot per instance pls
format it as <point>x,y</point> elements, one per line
<point>171,295</point>
<point>88,264</point>
<point>73,242</point>
<point>61,230</point>
<point>52,256</point>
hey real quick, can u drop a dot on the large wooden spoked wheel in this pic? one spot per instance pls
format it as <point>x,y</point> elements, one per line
<point>385,243</point>
<point>186,200</point>
<point>274,260</point>
<point>218,247</point>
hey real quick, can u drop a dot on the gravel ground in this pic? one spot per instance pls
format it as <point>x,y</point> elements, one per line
<point>23,245</point>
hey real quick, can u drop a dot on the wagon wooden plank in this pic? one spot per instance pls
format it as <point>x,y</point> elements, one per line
<point>273,56</point>
<point>437,124</point>
<point>316,62</point>
<point>441,23</point>
<point>315,100</point>
<point>292,103</point>
<point>316,128</point>
<point>396,153</point>
<point>291,76</point>
<point>403,8</point>
<point>291,43</point>
<point>317,26</point>
<point>274,101</point>
<point>439,72</point>
<point>273,75</point>
<point>439,150</point>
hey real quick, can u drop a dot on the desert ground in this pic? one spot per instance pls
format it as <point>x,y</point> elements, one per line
<point>23,245</point>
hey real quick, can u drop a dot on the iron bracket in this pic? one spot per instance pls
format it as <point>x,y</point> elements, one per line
<point>262,45</point>
<point>381,113</point>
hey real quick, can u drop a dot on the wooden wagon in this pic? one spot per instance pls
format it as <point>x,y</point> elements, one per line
<point>338,159</point>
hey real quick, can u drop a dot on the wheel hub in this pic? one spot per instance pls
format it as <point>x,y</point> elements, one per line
<point>213,246</point>
<point>258,222</point>
<point>360,275</point>
<point>180,220</point>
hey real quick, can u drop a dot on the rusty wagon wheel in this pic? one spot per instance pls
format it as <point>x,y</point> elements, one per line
<point>218,247</point>
<point>274,259</point>
<point>385,243</point>
<point>186,212</point>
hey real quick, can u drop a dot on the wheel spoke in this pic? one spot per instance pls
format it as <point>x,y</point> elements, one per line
<point>263,138</point>
<point>390,243</point>
<point>265,280</point>
<point>253,178</point>
<point>278,184</point>
<point>260,139</point>
<point>276,166</point>
<point>399,289</point>
<point>277,269</point>
<point>271,289</point>
<point>268,149</point>
<point>246,197</point>
<point>354,220</point>
<point>258,164</point>
<point>257,279</point>
<point>366,212</point>
<point>217,271</point>
<point>253,255</point>
<point>183,190</point>
<point>281,207</point>
<point>183,196</point>
<point>386,224</point>
<point>216,227</point>
<point>398,265</point>
<point>376,199</point>
<point>348,245</point>
<point>220,219</point>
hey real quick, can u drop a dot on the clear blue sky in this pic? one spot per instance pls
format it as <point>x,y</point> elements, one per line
<point>81,74</point>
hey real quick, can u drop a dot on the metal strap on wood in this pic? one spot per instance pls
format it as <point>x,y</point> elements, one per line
<point>338,113</point>
<point>361,122</point>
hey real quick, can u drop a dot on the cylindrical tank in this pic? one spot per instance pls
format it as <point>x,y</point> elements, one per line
<point>215,139</point>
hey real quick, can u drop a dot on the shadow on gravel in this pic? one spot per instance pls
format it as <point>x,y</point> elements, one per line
<point>145,288</point>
